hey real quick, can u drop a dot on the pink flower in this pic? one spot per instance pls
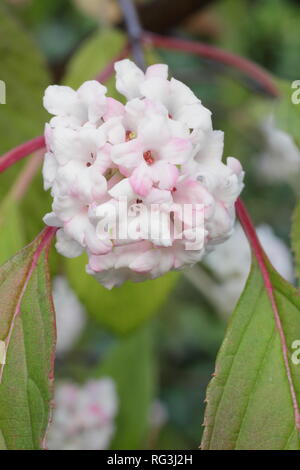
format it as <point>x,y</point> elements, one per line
<point>84,416</point>
<point>140,187</point>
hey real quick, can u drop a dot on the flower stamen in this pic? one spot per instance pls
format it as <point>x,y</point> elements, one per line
<point>130,135</point>
<point>148,157</point>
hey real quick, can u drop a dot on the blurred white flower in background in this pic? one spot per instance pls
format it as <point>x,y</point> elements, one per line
<point>158,418</point>
<point>70,315</point>
<point>280,160</point>
<point>231,262</point>
<point>84,416</point>
<point>158,414</point>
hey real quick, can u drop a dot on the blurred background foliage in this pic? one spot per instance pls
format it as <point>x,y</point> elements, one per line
<point>158,340</point>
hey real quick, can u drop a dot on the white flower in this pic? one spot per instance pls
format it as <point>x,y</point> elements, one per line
<point>158,414</point>
<point>281,158</point>
<point>159,153</point>
<point>83,416</point>
<point>70,315</point>
<point>87,104</point>
<point>230,264</point>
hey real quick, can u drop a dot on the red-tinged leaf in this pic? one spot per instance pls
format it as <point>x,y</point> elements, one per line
<point>253,399</point>
<point>27,326</point>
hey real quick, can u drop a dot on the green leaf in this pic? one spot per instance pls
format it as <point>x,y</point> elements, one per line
<point>131,365</point>
<point>26,77</point>
<point>22,117</point>
<point>11,230</point>
<point>123,308</point>
<point>249,400</point>
<point>93,57</point>
<point>27,327</point>
<point>295,236</point>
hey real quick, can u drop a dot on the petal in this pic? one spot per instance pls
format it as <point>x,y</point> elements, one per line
<point>94,244</point>
<point>61,100</point>
<point>114,130</point>
<point>176,150</point>
<point>48,136</point>
<point>211,147</point>
<point>66,144</point>
<point>102,263</point>
<point>66,207</point>
<point>52,220</point>
<point>220,226</point>
<point>49,170</point>
<point>234,165</point>
<point>154,132</point>
<point>181,94</point>
<point>128,253</point>
<point>92,95</point>
<point>127,154</point>
<point>92,185</point>
<point>179,129</point>
<point>103,159</point>
<point>91,138</point>
<point>194,116</point>
<point>128,78</point>
<point>66,246</point>
<point>158,196</point>
<point>164,174</point>
<point>113,109</point>
<point>144,262</point>
<point>157,70</point>
<point>122,190</point>
<point>110,278</point>
<point>141,181</point>
<point>157,89</point>
<point>192,192</point>
<point>76,227</point>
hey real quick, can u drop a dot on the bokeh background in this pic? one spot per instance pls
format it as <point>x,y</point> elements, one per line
<point>156,341</point>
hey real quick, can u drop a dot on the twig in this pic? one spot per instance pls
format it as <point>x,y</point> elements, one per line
<point>22,151</point>
<point>26,176</point>
<point>135,32</point>
<point>248,68</point>
<point>160,16</point>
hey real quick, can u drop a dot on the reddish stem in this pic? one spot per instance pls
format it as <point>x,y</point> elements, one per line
<point>22,151</point>
<point>26,176</point>
<point>219,55</point>
<point>261,257</point>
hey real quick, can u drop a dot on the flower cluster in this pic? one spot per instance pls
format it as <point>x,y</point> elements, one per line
<point>83,416</point>
<point>158,152</point>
